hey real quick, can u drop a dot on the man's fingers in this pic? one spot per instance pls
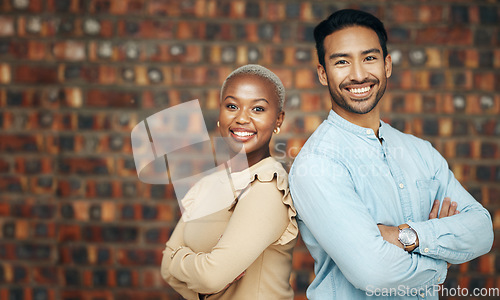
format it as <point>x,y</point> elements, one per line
<point>453,209</point>
<point>434,211</point>
<point>445,208</point>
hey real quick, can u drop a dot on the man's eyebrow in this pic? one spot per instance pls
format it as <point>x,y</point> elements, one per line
<point>373,50</point>
<point>336,55</point>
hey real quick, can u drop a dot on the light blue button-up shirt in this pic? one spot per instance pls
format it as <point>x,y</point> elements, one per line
<point>345,181</point>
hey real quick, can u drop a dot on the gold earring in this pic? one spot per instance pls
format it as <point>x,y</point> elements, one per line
<point>218,124</point>
<point>277,130</point>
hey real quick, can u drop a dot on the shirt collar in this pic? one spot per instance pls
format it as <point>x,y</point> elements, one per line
<point>337,120</point>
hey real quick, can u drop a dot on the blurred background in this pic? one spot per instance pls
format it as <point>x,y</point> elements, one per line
<point>77,75</point>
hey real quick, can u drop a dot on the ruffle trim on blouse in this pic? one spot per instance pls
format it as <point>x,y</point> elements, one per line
<point>266,172</point>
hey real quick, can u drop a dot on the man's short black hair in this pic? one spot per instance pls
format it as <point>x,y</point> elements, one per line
<point>347,18</point>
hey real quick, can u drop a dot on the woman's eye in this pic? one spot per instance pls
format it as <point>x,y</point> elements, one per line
<point>259,109</point>
<point>231,106</point>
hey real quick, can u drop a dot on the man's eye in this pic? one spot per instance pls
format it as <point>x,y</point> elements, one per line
<point>259,109</point>
<point>370,58</point>
<point>341,62</point>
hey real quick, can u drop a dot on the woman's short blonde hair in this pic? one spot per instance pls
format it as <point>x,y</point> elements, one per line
<point>262,72</point>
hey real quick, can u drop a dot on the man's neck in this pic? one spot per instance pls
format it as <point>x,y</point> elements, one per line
<point>368,120</point>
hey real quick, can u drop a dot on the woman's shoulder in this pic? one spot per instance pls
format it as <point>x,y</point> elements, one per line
<point>269,169</point>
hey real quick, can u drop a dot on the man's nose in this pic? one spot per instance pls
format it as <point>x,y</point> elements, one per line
<point>358,72</point>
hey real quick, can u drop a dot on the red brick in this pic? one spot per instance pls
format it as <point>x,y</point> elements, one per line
<point>48,28</point>
<point>147,29</point>
<point>445,36</point>
<point>117,7</point>
<point>151,278</point>
<point>134,257</point>
<point>43,165</point>
<point>474,14</point>
<point>86,165</point>
<point>275,11</point>
<point>430,13</point>
<point>6,26</point>
<point>4,165</point>
<point>403,13</point>
<point>484,81</point>
<point>50,233</point>
<point>107,29</point>
<point>45,185</point>
<point>69,187</point>
<point>20,143</point>
<point>69,50</point>
<point>5,73</point>
<point>4,209</point>
<point>46,275</point>
<point>162,8</point>
<point>302,260</point>
<point>31,50</point>
<point>186,30</point>
<point>42,75</point>
<point>99,98</point>
<point>125,168</point>
<point>35,6</point>
<point>69,232</point>
<point>73,6</point>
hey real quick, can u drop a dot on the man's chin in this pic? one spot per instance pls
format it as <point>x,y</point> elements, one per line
<point>361,110</point>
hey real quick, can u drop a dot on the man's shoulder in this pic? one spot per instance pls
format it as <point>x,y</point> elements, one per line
<point>323,141</point>
<point>406,138</point>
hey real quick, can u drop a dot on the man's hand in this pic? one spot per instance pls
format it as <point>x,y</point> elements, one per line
<point>447,210</point>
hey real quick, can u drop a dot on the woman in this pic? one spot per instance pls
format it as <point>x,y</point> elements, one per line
<point>243,251</point>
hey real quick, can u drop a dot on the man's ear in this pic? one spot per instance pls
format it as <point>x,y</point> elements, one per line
<point>323,78</point>
<point>388,66</point>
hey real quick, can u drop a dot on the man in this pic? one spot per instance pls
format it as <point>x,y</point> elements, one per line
<point>365,192</point>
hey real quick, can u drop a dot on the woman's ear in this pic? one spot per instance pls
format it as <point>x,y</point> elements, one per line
<point>280,119</point>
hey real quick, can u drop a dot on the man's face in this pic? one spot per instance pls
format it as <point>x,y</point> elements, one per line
<point>355,70</point>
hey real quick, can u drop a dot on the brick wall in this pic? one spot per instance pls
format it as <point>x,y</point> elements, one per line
<point>77,75</point>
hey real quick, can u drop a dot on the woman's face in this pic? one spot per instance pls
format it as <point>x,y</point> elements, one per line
<point>249,112</point>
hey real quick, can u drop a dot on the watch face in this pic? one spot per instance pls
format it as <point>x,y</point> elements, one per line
<point>407,236</point>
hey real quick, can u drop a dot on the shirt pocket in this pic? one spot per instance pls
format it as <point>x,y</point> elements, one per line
<point>427,190</point>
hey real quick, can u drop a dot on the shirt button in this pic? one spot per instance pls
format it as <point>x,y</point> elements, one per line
<point>368,131</point>
<point>401,185</point>
<point>426,250</point>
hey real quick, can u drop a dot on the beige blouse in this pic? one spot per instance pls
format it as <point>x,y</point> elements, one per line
<point>254,235</point>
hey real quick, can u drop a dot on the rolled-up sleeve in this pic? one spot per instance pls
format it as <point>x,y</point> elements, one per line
<point>461,237</point>
<point>327,203</point>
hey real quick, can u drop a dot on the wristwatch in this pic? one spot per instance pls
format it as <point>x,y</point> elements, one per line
<point>407,237</point>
